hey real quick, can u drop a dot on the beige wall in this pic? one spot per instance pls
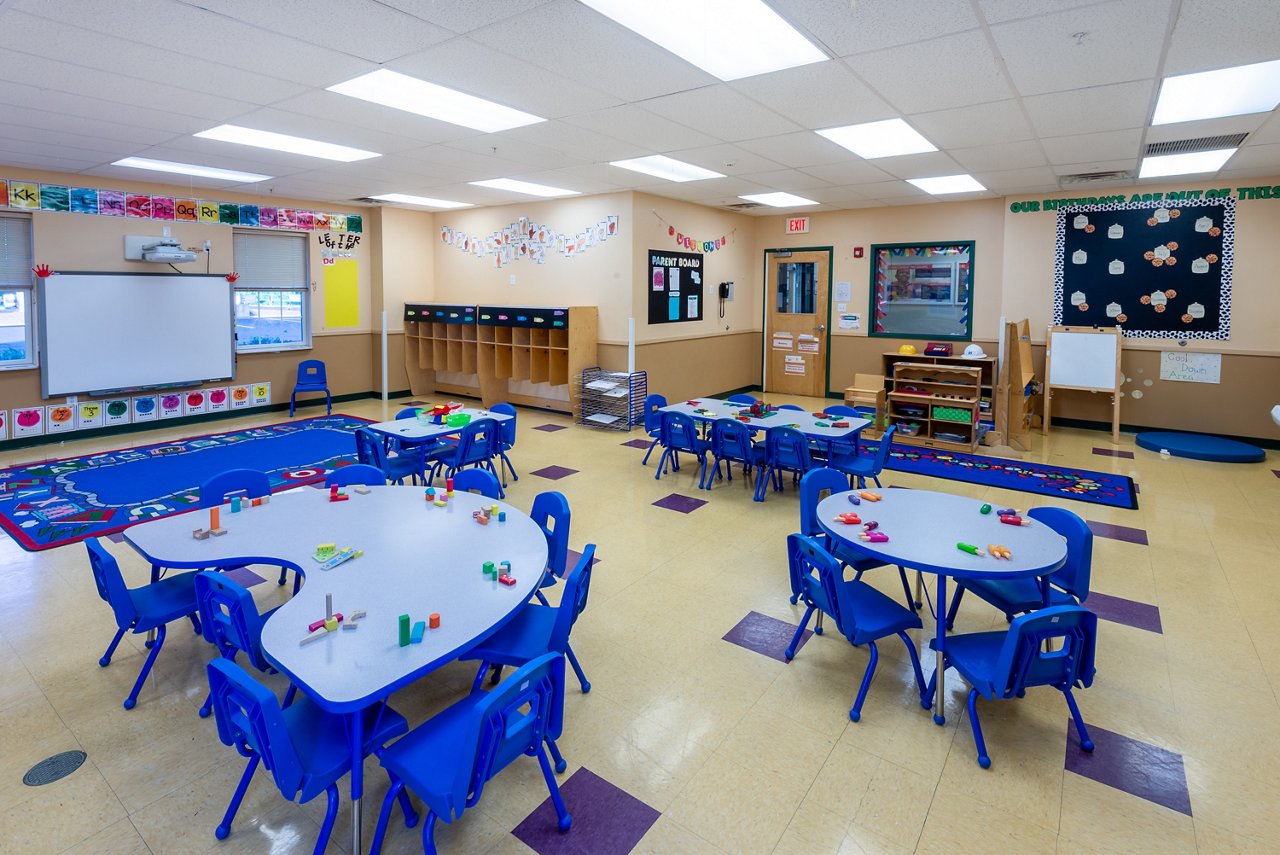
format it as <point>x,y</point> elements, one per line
<point>724,362</point>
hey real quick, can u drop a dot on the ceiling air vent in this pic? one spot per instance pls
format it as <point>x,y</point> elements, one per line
<point>742,206</point>
<point>1202,144</point>
<point>1089,177</point>
<point>365,200</point>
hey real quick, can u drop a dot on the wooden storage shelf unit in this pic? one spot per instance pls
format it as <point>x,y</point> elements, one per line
<point>498,344</point>
<point>942,400</point>
<point>985,364</point>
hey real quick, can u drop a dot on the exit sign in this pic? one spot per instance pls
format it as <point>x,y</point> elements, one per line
<point>797,225</point>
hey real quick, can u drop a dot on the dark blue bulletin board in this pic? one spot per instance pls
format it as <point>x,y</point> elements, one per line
<point>675,286</point>
<point>1156,270</point>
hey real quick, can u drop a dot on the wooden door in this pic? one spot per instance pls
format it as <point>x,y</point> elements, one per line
<point>797,287</point>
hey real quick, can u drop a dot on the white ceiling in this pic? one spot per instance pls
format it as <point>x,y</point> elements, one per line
<point>1017,92</point>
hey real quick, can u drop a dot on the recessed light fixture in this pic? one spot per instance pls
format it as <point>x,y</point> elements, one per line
<point>1225,92</point>
<point>729,39</point>
<point>424,201</point>
<point>944,184</point>
<point>190,169</point>
<point>778,200</point>
<point>285,142</point>
<point>879,139</point>
<point>527,187</point>
<point>392,89</point>
<point>661,166</point>
<point>1185,164</point>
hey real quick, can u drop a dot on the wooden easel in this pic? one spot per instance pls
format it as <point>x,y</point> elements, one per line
<point>1013,413</point>
<point>1088,359</point>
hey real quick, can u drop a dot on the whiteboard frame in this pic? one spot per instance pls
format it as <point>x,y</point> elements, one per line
<point>1113,332</point>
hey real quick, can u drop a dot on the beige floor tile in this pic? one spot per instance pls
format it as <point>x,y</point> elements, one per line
<point>1110,820</point>
<point>667,836</point>
<point>896,804</point>
<point>60,815</point>
<point>120,838</point>
<point>957,823</point>
<point>741,811</point>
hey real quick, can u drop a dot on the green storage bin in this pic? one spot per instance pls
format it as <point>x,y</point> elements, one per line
<point>953,414</point>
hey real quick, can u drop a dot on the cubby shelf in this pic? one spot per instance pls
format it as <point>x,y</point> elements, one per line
<point>942,401</point>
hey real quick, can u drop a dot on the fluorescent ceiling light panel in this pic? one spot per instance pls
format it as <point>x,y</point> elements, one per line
<point>729,39</point>
<point>190,169</point>
<point>402,92</point>
<point>779,200</point>
<point>879,139</point>
<point>424,201</point>
<point>1185,164</point>
<point>1212,94</point>
<point>944,184</point>
<point>284,142</point>
<point>661,166</point>
<point>527,187</point>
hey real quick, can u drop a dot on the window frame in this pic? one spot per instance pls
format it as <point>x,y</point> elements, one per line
<point>27,289</point>
<point>304,290</point>
<point>885,251</point>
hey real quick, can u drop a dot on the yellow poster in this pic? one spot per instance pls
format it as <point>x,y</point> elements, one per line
<point>341,293</point>
<point>23,194</point>
<point>208,211</point>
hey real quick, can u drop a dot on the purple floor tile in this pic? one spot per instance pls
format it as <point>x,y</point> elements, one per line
<point>677,502</point>
<point>116,537</point>
<point>575,556</point>
<point>550,428</point>
<point>638,443</point>
<point>554,473</point>
<point>246,577</point>
<point>1118,532</point>
<point>1114,452</point>
<point>765,635</point>
<point>1128,612</point>
<point>1276,472</point>
<point>606,820</point>
<point>1146,771</point>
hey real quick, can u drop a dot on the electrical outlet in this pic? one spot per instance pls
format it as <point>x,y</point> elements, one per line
<point>512,280</point>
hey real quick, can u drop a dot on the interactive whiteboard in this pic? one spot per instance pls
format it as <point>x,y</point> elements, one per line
<point>111,331</point>
<point>1085,359</point>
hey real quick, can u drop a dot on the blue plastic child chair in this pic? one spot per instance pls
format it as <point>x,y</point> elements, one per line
<point>731,443</point>
<point>1003,665</point>
<point>480,481</point>
<point>858,468</point>
<point>680,433</point>
<point>230,621</point>
<point>410,463</point>
<point>357,474</point>
<point>473,448</point>
<point>448,759</point>
<point>507,439</point>
<point>786,450</point>
<point>743,398</point>
<point>141,609</point>
<point>653,405</point>
<point>311,378</point>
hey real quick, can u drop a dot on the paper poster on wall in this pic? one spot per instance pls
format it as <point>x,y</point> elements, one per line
<point>4,424</point>
<point>692,310</point>
<point>341,294</point>
<point>1190,366</point>
<point>196,404</point>
<point>89,415</point>
<point>844,292</point>
<point>676,286</point>
<point>782,342</point>
<point>659,278</point>
<point>673,308</point>
<point>170,406</point>
<point>117,412</point>
<point>261,394</point>
<point>146,408</point>
<point>241,397</point>
<point>28,422</point>
<point>217,400</point>
<point>850,322</point>
<point>60,418</point>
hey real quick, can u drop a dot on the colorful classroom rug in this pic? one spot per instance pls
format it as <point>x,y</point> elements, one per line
<point>57,502</point>
<point>1082,485</point>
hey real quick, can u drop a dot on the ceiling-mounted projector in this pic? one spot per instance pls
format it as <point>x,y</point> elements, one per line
<point>164,250</point>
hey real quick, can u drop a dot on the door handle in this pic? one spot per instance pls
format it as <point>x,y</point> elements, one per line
<point>821,327</point>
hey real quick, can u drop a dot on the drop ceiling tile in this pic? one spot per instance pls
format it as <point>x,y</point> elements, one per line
<point>893,190</point>
<point>224,156</point>
<point>727,159</point>
<point>1256,157</point>
<point>852,170</point>
<point>820,95</point>
<point>463,16</point>
<point>17,160</point>
<point>1123,42</point>
<point>575,179</point>
<point>576,42</point>
<point>1097,108</point>
<point>52,125</point>
<point>456,165</point>
<point>561,136</point>
<point>714,188</point>
<point>1015,155</point>
<point>333,129</point>
<point>1107,145</point>
<point>1209,35</point>
<point>925,165</point>
<point>1209,128</point>
<point>1269,132</point>
<point>976,125</point>
<point>1017,181</point>
<point>849,28</point>
<point>796,150</point>
<point>721,111</point>
<point>939,74</point>
<point>997,11</point>
<point>102,153</point>
<point>330,106</point>
<point>1130,164</point>
<point>612,177</point>
<point>526,154</point>
<point>108,177</point>
<point>845,195</point>
<point>789,180</point>
<point>643,128</point>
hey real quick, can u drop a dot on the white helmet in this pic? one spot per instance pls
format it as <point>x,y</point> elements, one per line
<point>974,351</point>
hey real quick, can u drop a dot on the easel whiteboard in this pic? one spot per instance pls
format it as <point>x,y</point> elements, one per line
<point>1084,359</point>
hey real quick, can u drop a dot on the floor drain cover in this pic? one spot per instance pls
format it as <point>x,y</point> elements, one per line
<point>54,768</point>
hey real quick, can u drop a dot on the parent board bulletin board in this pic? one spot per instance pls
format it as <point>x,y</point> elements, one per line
<point>675,286</point>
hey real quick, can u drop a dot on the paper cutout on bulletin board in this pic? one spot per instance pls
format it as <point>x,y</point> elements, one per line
<point>341,293</point>
<point>4,424</point>
<point>28,422</point>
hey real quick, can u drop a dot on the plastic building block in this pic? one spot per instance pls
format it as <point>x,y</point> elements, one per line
<point>985,509</point>
<point>266,499</point>
<point>431,493</point>
<point>339,497</point>
<point>507,580</point>
<point>873,537</point>
<point>998,551</point>
<point>849,518</point>
<point>448,484</point>
<point>504,566</point>
<point>502,516</point>
<point>821,424</point>
<point>493,509</point>
<point>404,630</point>
<point>870,525</point>
<point>1008,519</point>
<point>433,620</point>
<point>217,532</point>
<point>362,489</point>
<point>200,534</point>
<point>1009,512</point>
<point>440,503</point>
<point>969,548</point>
<point>489,568</point>
<point>328,605</point>
<point>313,635</point>
<point>341,557</point>
<point>256,503</point>
<point>331,624</point>
<point>349,625</point>
<point>870,496</point>
<point>482,519</point>
<point>419,630</point>
<point>315,624</point>
<point>325,551</point>
<point>356,616</point>
<point>214,518</point>
<point>854,500</point>
<point>235,504</point>
<point>839,424</point>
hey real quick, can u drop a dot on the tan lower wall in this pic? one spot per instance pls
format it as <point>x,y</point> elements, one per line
<point>397,376</point>
<point>695,366</point>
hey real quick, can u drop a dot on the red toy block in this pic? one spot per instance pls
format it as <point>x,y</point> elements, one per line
<point>507,580</point>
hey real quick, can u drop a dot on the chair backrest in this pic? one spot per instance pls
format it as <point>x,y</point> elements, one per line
<point>1024,662</point>
<point>1073,576</point>
<point>787,448</point>
<point>730,439</point>
<point>229,617</point>
<point>791,407</point>
<point>480,481</point>
<point>477,441</point>
<point>551,512</point>
<point>573,601</point>
<point>110,582</point>
<point>509,426</point>
<point>812,485</point>
<point>408,413</point>
<point>679,432</point>
<point>311,373</point>
<point>369,449</point>
<point>841,410</point>
<point>249,720</point>
<point>512,720</point>
<point>653,405</point>
<point>249,482</point>
<point>743,398</point>
<point>818,576</point>
<point>356,473</point>
<point>882,450</point>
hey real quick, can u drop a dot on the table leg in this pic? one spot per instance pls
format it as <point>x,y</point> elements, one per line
<point>357,777</point>
<point>940,635</point>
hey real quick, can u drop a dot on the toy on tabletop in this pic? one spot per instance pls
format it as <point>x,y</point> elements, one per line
<point>869,496</point>
<point>854,500</point>
<point>998,551</point>
<point>214,528</point>
<point>341,556</point>
<point>330,622</point>
<point>489,569</point>
<point>1008,519</point>
<point>848,518</point>
<point>433,620</point>
<point>873,537</point>
<point>353,620</point>
<point>325,551</point>
<point>361,489</point>
<point>819,415</point>
<point>821,424</point>
<point>969,548</point>
<point>419,630</point>
<point>337,495</point>
<point>870,525</point>
<point>985,509</point>
<point>235,504</point>
<point>431,494</point>
<point>1010,512</point>
<point>448,486</point>
<point>507,580</point>
<point>404,630</point>
<point>840,424</point>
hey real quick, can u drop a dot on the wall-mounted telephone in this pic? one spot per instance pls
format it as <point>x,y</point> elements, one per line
<point>726,293</point>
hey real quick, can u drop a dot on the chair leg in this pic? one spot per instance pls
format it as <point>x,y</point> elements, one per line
<point>795,639</point>
<point>410,815</point>
<point>507,461</point>
<point>330,816</point>
<point>915,663</point>
<point>132,700</point>
<point>289,696</point>
<point>224,828</point>
<point>817,627</point>
<point>955,606</point>
<point>195,622</point>
<point>856,712</point>
<point>496,677</point>
<point>105,659</point>
<point>1085,742</point>
<point>541,598</point>
<point>293,400</point>
<point>919,600</point>
<point>284,576</point>
<point>396,791</point>
<point>476,683</point>
<point>562,813</point>
<point>577,669</point>
<point>983,760</point>
<point>652,446</point>
<point>560,764</point>
<point>662,463</point>
<point>429,834</point>
<point>328,403</point>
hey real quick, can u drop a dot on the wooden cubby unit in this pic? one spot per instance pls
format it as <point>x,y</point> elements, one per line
<point>942,400</point>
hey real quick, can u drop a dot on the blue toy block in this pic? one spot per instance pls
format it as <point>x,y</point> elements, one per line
<point>419,630</point>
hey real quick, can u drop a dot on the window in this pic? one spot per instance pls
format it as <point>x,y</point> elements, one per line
<point>17,347</point>
<point>922,290</point>
<point>272,295</point>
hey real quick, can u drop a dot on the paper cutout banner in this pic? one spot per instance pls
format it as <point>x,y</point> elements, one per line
<point>525,239</point>
<point>690,242</point>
